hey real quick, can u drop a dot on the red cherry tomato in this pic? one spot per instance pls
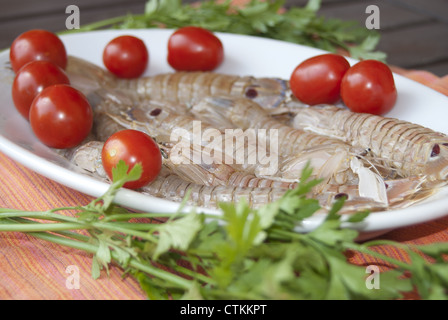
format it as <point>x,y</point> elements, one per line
<point>37,45</point>
<point>31,79</point>
<point>317,80</point>
<point>194,49</point>
<point>126,57</point>
<point>132,147</point>
<point>369,87</point>
<point>61,117</point>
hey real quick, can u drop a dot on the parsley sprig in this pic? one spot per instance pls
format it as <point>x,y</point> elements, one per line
<point>241,254</point>
<point>270,19</point>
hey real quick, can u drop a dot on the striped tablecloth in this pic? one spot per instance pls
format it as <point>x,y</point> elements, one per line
<point>34,269</point>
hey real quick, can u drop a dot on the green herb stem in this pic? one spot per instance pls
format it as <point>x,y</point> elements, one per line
<point>285,235</point>
<point>133,226</point>
<point>128,216</point>
<point>92,248</point>
<point>43,215</point>
<point>74,224</point>
<point>365,250</point>
<point>160,273</point>
<point>60,226</point>
<point>196,275</point>
<point>243,254</point>
<point>131,232</point>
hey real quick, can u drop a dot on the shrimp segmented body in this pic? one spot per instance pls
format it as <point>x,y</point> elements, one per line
<point>189,134</point>
<point>226,112</point>
<point>168,185</point>
<point>408,148</point>
<point>173,188</point>
<point>183,87</point>
<point>210,173</point>
<point>377,163</point>
<point>329,157</point>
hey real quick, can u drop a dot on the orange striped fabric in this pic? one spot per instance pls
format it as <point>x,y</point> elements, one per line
<point>32,269</point>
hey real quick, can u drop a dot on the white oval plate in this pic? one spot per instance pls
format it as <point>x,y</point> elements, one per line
<point>244,55</point>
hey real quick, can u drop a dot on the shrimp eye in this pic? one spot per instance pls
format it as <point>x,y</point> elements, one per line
<point>164,153</point>
<point>251,93</point>
<point>435,150</point>
<point>341,195</point>
<point>155,112</point>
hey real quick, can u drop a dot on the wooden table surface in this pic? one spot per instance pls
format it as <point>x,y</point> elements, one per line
<point>414,32</point>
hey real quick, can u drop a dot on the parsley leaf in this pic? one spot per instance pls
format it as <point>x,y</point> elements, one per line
<point>177,233</point>
<point>243,254</point>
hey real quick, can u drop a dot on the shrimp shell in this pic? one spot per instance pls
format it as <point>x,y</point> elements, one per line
<point>245,113</point>
<point>214,174</point>
<point>210,174</point>
<point>170,186</point>
<point>410,149</point>
<point>173,188</point>
<point>401,193</point>
<point>183,87</point>
<point>163,122</point>
<point>329,157</point>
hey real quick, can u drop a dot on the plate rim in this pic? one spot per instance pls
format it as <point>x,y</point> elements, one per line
<point>376,221</point>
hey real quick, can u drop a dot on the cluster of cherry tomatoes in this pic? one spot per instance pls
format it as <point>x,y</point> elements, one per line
<point>189,49</point>
<point>61,116</point>
<point>367,87</point>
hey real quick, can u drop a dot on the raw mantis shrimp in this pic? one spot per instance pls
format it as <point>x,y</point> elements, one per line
<point>175,98</point>
<point>331,162</point>
<point>228,112</point>
<point>169,125</point>
<point>213,174</point>
<point>169,185</point>
<point>210,173</point>
<point>332,158</point>
<point>183,87</point>
<point>172,187</point>
<point>409,149</point>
